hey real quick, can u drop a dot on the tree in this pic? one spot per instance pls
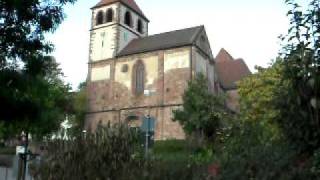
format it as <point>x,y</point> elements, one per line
<point>23,25</point>
<point>202,111</point>
<point>300,108</point>
<point>258,95</point>
<point>78,109</point>
<point>32,92</point>
<point>38,104</point>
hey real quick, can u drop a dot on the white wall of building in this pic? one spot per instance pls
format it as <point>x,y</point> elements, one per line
<point>127,35</point>
<point>103,43</point>
<point>100,73</point>
<point>201,63</point>
<point>174,59</point>
<point>104,10</point>
<point>135,17</point>
<point>103,36</point>
<point>151,63</point>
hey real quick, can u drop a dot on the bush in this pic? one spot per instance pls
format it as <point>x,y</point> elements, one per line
<point>114,153</point>
<point>202,112</point>
<point>109,153</point>
<point>251,153</point>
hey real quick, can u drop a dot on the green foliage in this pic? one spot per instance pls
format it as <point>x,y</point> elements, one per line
<point>32,93</point>
<point>108,154</point>
<point>251,154</point>
<point>203,156</point>
<point>258,95</point>
<point>300,104</point>
<point>202,111</point>
<point>256,148</point>
<point>38,104</point>
<point>316,163</point>
<point>23,25</point>
<point>78,110</point>
<point>112,153</point>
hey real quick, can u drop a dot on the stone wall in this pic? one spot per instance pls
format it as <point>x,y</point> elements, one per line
<point>167,73</point>
<point>233,100</point>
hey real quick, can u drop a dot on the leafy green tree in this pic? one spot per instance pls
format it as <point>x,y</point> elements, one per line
<point>23,25</point>
<point>78,109</point>
<point>258,95</point>
<point>41,104</point>
<point>32,93</point>
<point>300,108</point>
<point>202,112</point>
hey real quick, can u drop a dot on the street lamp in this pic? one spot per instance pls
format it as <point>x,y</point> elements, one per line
<point>148,93</point>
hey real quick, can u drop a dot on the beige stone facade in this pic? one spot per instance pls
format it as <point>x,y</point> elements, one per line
<point>112,100</point>
<point>125,62</point>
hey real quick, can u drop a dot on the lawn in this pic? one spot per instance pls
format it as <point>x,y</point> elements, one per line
<point>172,151</point>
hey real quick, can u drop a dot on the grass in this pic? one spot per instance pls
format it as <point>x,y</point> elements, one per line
<point>172,151</point>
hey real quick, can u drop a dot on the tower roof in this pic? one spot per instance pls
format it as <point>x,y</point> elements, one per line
<point>129,3</point>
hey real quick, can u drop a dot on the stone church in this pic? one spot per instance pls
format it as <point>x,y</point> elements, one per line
<point>132,74</point>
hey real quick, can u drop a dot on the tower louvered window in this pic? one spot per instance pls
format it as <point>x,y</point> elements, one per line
<point>128,19</point>
<point>99,18</point>
<point>140,26</point>
<point>109,15</point>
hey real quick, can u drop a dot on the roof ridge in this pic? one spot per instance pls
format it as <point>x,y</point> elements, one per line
<point>194,37</point>
<point>170,39</point>
<point>224,52</point>
<point>171,31</point>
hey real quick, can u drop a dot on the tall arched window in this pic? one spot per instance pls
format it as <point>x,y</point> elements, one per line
<point>99,18</point>
<point>109,15</point>
<point>138,78</point>
<point>128,19</point>
<point>139,26</point>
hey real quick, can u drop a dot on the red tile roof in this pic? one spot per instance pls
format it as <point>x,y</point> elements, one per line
<point>230,71</point>
<point>130,3</point>
<point>223,55</point>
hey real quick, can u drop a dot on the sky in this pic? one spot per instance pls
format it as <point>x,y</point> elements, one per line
<point>247,29</point>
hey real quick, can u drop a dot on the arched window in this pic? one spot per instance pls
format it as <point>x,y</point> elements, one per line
<point>109,15</point>
<point>138,78</point>
<point>99,18</point>
<point>140,26</point>
<point>128,19</point>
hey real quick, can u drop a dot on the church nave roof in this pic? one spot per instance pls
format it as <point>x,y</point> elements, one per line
<point>162,41</point>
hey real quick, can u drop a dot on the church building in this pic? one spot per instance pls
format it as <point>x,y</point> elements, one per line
<point>132,74</point>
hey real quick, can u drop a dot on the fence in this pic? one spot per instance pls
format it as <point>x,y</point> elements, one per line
<point>11,173</point>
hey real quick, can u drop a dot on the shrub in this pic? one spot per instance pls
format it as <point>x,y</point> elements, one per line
<point>108,154</point>
<point>114,153</point>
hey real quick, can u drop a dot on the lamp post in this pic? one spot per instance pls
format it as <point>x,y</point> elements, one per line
<point>148,93</point>
<point>24,155</point>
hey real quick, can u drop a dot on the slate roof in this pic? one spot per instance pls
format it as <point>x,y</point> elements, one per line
<point>162,41</point>
<point>130,3</point>
<point>230,71</point>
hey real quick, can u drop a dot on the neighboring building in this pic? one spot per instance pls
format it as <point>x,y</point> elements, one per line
<point>125,62</point>
<point>230,71</point>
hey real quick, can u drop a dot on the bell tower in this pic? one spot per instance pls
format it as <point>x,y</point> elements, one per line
<point>114,24</point>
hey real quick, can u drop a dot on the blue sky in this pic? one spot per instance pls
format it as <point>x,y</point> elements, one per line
<point>247,29</point>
